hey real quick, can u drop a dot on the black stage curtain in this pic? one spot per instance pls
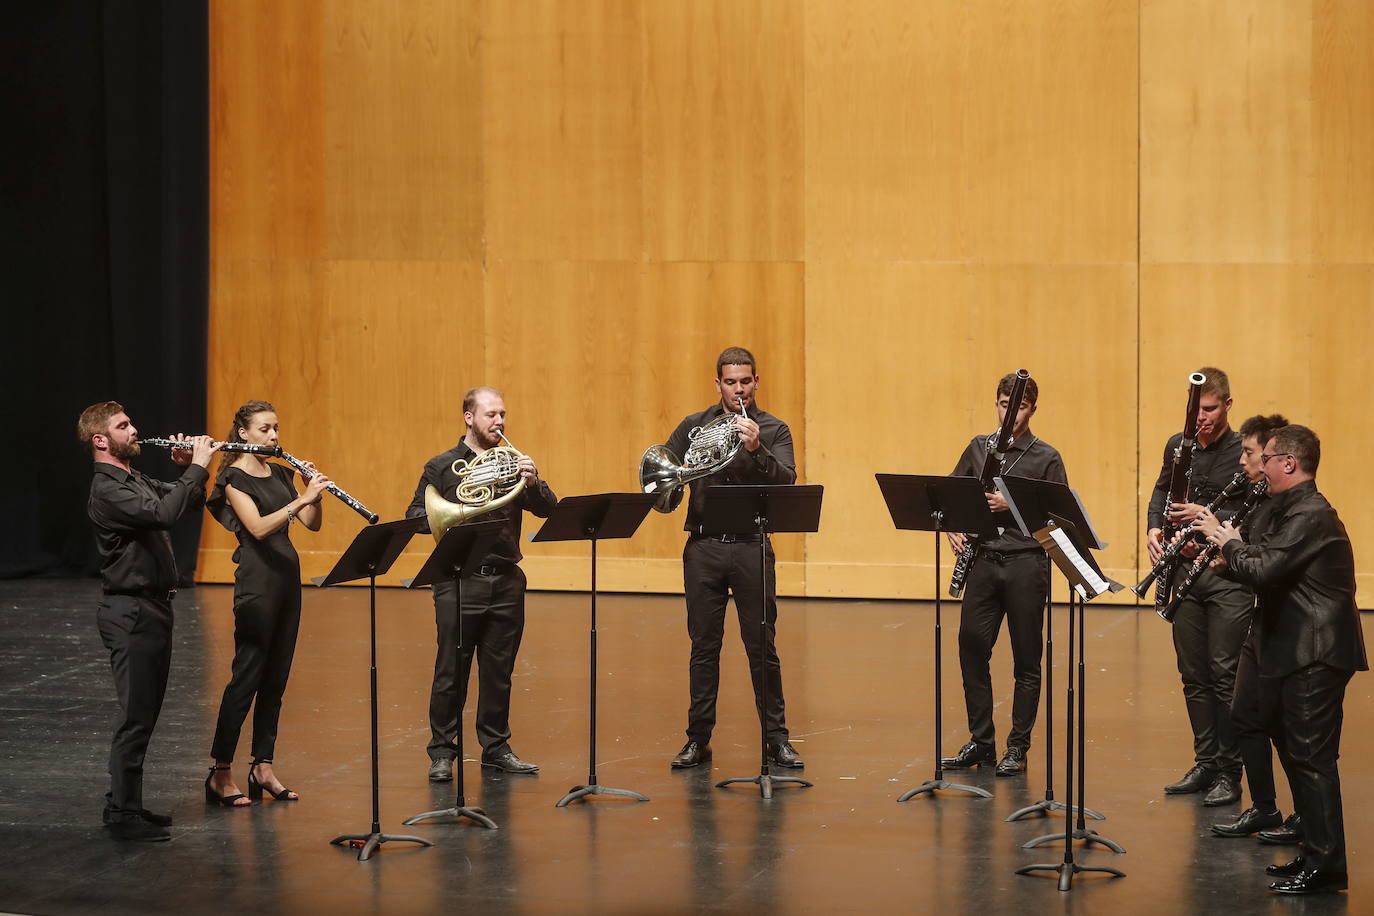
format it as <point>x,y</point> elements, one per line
<point>107,233</point>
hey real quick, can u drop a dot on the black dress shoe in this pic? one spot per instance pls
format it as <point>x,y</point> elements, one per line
<point>691,755</point>
<point>509,763</point>
<point>1252,820</point>
<point>1223,792</point>
<point>138,830</point>
<point>108,816</point>
<point>1013,762</point>
<point>1311,881</point>
<point>441,770</point>
<point>1290,834</point>
<point>970,755</point>
<point>1195,780</point>
<point>1287,869</point>
<point>785,755</point>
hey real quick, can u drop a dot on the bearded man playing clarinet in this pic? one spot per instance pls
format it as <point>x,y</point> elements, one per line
<point>1309,640</point>
<point>132,514</point>
<point>714,567</point>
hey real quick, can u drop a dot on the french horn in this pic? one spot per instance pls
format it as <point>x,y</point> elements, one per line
<point>489,481</point>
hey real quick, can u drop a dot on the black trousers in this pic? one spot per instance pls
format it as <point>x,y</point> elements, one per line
<point>1254,718</point>
<point>1014,586</point>
<point>1312,701</point>
<point>138,633</point>
<point>1209,630</point>
<point>713,571</point>
<point>493,623</point>
<point>267,619</point>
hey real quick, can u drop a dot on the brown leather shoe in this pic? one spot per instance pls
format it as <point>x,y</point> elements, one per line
<point>691,755</point>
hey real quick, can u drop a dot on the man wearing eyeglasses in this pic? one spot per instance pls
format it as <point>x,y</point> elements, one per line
<point>1308,635</point>
<point>1214,619</point>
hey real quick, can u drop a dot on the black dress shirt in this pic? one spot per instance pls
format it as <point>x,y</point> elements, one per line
<point>132,514</point>
<point>1212,469</point>
<point>1303,571</point>
<point>1027,456</point>
<point>537,498</point>
<point>772,463</point>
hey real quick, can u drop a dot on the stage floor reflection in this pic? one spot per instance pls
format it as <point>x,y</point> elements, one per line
<point>858,687</point>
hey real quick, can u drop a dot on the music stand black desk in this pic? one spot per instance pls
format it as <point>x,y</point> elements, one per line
<point>939,505</point>
<point>369,556</point>
<point>599,517</point>
<point>760,510</point>
<point>457,553</point>
<point>1030,500</point>
<point>1032,504</point>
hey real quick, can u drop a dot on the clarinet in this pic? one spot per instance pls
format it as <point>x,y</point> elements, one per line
<point>997,447</point>
<point>334,489</point>
<point>246,448</point>
<point>1171,550</point>
<point>1204,559</point>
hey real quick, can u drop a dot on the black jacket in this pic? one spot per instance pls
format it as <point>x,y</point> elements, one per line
<point>1303,571</point>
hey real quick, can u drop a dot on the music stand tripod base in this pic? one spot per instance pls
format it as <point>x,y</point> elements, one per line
<point>1067,870</point>
<point>371,842</point>
<point>1078,833</point>
<point>765,782</point>
<point>579,792</point>
<point>931,786</point>
<point>457,812</point>
<point>1046,805</point>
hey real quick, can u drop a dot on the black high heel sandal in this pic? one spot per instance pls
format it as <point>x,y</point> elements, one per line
<point>256,788</point>
<point>214,798</point>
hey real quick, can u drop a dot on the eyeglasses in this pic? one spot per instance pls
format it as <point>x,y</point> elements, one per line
<point>1264,459</point>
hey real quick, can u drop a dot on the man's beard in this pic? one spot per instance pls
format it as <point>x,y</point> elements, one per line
<point>126,450</point>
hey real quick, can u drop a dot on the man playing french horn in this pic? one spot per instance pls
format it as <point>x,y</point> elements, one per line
<point>493,596</point>
<point>715,567</point>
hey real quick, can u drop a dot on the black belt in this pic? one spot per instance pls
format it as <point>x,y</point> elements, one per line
<point>1002,556</point>
<point>730,538</point>
<point>164,595</point>
<point>493,569</point>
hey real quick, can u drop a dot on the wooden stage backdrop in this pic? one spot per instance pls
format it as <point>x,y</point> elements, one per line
<point>892,203</point>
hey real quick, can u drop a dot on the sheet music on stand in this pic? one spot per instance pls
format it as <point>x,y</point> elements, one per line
<point>1054,515</point>
<point>1087,581</point>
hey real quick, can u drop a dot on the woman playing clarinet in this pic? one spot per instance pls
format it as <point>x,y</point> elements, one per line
<point>258,501</point>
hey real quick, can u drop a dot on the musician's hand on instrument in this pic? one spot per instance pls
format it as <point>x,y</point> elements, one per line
<point>1190,550</point>
<point>1184,513</point>
<point>1224,533</point>
<point>748,433</point>
<point>314,487</point>
<point>957,542</point>
<point>1154,544</point>
<point>181,456</point>
<point>1206,523</point>
<point>996,501</point>
<point>202,447</point>
<point>308,470</point>
<point>527,468</point>
<point>1218,563</point>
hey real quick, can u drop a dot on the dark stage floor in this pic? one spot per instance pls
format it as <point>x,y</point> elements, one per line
<point>858,689</point>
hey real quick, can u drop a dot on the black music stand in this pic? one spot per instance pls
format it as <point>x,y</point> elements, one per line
<point>1066,539</point>
<point>370,555</point>
<point>595,518</point>
<point>458,552</point>
<point>939,505</point>
<point>761,509</point>
<point>1030,504</point>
